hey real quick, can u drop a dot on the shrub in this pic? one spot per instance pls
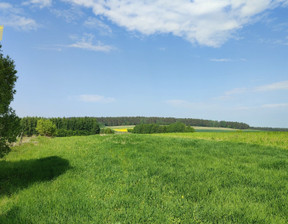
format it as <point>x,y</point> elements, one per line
<point>107,131</point>
<point>45,127</point>
<point>177,127</point>
<point>189,129</point>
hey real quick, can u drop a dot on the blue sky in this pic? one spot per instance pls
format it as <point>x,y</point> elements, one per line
<point>208,59</point>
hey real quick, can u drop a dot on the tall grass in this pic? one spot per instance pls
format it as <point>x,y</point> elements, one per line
<point>144,179</point>
<point>274,139</point>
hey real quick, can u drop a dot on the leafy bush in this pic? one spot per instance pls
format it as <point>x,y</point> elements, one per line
<point>107,131</point>
<point>45,127</point>
<point>176,127</point>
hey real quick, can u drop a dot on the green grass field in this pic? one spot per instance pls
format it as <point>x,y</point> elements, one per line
<point>163,178</point>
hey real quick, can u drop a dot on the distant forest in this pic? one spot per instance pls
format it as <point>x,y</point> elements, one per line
<point>117,121</point>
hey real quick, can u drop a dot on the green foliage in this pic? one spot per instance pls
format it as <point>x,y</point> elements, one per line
<point>9,122</point>
<point>107,131</point>
<point>79,125</point>
<point>45,127</point>
<point>171,178</point>
<point>65,126</point>
<point>176,127</point>
<point>28,125</point>
<point>156,128</point>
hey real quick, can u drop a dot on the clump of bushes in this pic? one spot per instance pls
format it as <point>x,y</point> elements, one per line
<point>107,131</point>
<point>156,128</point>
<point>45,127</point>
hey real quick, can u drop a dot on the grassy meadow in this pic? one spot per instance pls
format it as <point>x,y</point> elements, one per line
<point>235,177</point>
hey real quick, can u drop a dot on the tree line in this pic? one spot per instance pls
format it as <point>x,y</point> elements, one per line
<point>64,126</point>
<point>157,128</point>
<point>117,121</point>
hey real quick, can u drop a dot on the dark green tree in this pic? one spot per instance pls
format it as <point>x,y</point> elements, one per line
<point>9,122</point>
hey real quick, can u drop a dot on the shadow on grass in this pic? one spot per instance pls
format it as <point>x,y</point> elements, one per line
<point>15,176</point>
<point>14,216</point>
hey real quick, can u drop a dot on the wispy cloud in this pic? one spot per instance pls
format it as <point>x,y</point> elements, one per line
<point>97,24</point>
<point>228,60</point>
<point>205,22</point>
<point>221,59</point>
<point>86,43</point>
<point>275,105</point>
<point>230,93</point>
<point>281,42</point>
<point>38,3</point>
<point>5,5</point>
<point>12,16</point>
<point>238,91</point>
<point>70,15</point>
<point>274,86</point>
<point>95,99</point>
<point>263,106</point>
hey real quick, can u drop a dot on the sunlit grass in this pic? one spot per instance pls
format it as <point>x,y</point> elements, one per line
<point>275,139</point>
<point>169,178</point>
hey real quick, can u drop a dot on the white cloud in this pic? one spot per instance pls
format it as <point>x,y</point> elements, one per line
<point>264,106</point>
<point>95,99</point>
<point>12,17</point>
<point>39,3</point>
<point>221,60</point>
<point>270,87</point>
<point>86,43</point>
<point>229,94</point>
<point>274,86</point>
<point>5,5</point>
<point>70,15</point>
<point>228,60</point>
<point>206,22</point>
<point>94,23</point>
<point>275,105</point>
<point>283,41</point>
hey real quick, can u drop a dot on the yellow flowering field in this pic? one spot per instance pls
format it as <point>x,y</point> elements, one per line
<point>120,129</point>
